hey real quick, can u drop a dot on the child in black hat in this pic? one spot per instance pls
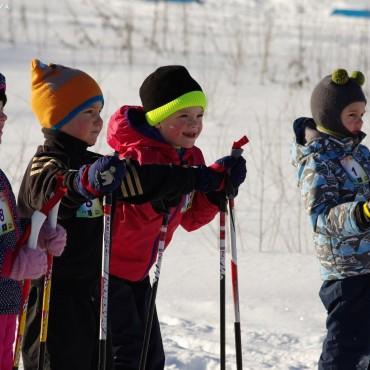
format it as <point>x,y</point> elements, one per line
<point>163,130</point>
<point>333,170</point>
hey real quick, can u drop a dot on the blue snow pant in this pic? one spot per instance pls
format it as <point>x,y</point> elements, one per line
<point>128,306</point>
<point>347,343</point>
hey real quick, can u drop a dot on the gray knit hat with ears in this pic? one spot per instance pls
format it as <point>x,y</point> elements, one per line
<point>331,95</point>
<point>2,89</point>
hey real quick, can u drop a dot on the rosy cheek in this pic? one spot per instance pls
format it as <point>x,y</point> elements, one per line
<point>175,129</point>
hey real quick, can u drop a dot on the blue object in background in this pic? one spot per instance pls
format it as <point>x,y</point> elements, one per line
<point>179,1</point>
<point>360,13</point>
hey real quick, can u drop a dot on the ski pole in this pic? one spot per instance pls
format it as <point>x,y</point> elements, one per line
<point>150,314</point>
<point>236,151</point>
<point>30,236</point>
<point>104,282</point>
<point>37,220</point>
<point>222,229</point>
<point>52,220</point>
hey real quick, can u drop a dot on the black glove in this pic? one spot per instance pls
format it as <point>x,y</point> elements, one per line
<point>163,205</point>
<point>103,176</point>
<point>234,170</point>
<point>218,198</point>
<point>299,127</point>
<point>207,179</point>
<point>227,170</point>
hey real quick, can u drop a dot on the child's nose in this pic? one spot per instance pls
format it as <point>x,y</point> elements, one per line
<point>193,122</point>
<point>99,120</point>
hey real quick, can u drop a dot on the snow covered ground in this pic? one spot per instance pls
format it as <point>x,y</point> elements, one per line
<point>282,320</point>
<point>258,61</point>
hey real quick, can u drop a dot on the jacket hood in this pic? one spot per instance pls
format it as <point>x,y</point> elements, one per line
<point>130,135</point>
<point>127,127</point>
<point>309,141</point>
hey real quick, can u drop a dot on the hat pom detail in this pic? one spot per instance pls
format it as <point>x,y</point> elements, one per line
<point>359,77</point>
<point>340,77</point>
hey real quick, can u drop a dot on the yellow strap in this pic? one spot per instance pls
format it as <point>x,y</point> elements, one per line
<point>366,210</point>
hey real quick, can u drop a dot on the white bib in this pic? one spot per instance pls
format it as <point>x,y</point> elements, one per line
<point>354,170</point>
<point>6,218</point>
<point>90,209</point>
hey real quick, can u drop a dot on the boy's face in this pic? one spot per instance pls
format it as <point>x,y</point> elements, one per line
<point>182,128</point>
<point>351,117</point>
<point>86,125</point>
<point>3,118</point>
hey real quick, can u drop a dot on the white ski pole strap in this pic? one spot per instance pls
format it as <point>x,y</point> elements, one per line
<point>37,221</point>
<point>53,215</point>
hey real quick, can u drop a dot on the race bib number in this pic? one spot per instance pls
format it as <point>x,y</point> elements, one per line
<point>6,218</point>
<point>354,170</point>
<point>90,209</point>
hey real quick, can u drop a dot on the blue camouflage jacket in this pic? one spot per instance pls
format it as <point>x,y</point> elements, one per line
<point>333,177</point>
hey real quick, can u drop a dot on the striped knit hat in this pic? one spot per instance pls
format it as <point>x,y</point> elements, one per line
<point>59,93</point>
<point>167,90</point>
<point>2,89</point>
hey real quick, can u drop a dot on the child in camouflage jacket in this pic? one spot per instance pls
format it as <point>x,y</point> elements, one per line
<point>333,170</point>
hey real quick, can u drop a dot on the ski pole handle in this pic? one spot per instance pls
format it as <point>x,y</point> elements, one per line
<point>51,206</point>
<point>53,215</point>
<point>236,150</point>
<point>52,220</point>
<point>37,221</point>
<point>30,237</point>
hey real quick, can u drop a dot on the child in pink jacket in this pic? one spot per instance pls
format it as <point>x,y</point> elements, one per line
<point>17,264</point>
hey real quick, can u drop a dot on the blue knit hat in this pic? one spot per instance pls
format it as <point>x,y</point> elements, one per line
<point>2,89</point>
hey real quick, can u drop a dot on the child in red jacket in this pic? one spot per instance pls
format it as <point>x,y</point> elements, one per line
<point>163,131</point>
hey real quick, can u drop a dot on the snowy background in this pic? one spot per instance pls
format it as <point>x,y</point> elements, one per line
<point>257,61</point>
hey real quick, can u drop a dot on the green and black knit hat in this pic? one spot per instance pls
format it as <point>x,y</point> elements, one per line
<point>167,90</point>
<point>331,95</point>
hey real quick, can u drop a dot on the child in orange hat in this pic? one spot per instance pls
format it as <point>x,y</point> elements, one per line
<point>67,103</point>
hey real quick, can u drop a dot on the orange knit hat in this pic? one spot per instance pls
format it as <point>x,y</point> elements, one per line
<point>59,93</point>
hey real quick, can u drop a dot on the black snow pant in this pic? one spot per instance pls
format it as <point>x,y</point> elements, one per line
<point>347,343</point>
<point>73,332</point>
<point>128,305</point>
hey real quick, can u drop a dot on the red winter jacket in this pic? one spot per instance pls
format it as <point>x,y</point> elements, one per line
<point>136,228</point>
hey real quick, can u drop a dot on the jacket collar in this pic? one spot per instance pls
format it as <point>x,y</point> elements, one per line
<point>128,128</point>
<point>64,142</point>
